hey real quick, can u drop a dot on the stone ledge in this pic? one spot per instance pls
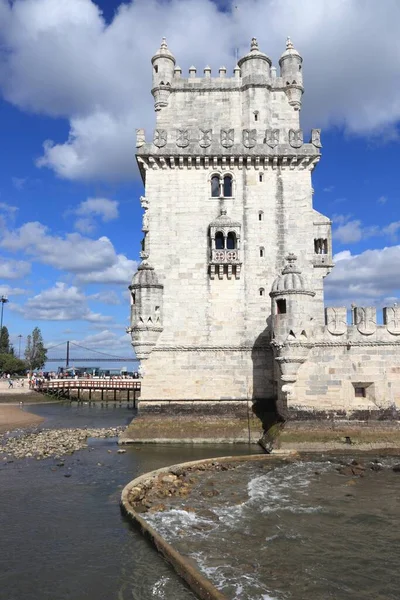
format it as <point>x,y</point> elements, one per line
<point>197,582</point>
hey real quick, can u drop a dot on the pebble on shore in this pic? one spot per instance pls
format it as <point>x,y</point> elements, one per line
<point>54,443</point>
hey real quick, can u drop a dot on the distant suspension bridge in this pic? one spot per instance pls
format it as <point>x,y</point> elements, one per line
<point>72,353</point>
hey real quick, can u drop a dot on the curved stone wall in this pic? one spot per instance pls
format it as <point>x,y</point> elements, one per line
<point>197,582</point>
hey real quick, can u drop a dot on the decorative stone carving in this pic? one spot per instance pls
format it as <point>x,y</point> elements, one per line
<point>206,138</point>
<point>272,137</point>
<point>145,223</point>
<point>140,138</point>
<point>144,203</point>
<point>160,137</point>
<point>296,138</point>
<point>182,138</point>
<point>336,320</point>
<point>365,319</point>
<point>227,137</point>
<point>316,138</point>
<point>249,138</point>
<point>391,318</point>
<point>144,255</point>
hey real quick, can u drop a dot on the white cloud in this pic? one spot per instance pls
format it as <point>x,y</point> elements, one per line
<point>8,208</point>
<point>348,233</point>
<point>7,290</point>
<point>92,208</point>
<point>107,341</point>
<point>120,272</point>
<point>352,230</point>
<point>106,209</point>
<point>59,303</point>
<point>371,277</point>
<point>91,260</point>
<point>382,200</point>
<point>60,58</point>
<point>107,297</point>
<point>13,269</point>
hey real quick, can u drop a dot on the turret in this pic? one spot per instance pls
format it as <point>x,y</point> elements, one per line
<point>163,72</point>
<point>292,328</point>
<point>291,305</point>
<point>255,65</point>
<point>146,309</point>
<point>292,76</point>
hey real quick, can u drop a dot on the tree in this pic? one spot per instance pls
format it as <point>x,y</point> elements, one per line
<point>4,341</point>
<point>12,365</point>
<point>35,352</point>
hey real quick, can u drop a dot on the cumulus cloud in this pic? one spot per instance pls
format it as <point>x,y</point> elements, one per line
<point>13,269</point>
<point>62,59</point>
<point>91,209</point>
<point>371,277</point>
<point>7,290</point>
<point>350,231</point>
<point>107,341</point>
<point>59,303</point>
<point>91,260</point>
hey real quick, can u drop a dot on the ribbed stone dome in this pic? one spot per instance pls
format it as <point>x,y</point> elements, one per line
<point>163,52</point>
<point>290,50</point>
<point>291,279</point>
<point>145,275</point>
<point>224,221</point>
<point>254,53</point>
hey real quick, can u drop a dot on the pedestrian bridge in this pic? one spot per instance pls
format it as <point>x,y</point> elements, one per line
<point>80,389</point>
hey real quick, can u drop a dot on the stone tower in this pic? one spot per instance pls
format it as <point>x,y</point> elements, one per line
<point>228,196</point>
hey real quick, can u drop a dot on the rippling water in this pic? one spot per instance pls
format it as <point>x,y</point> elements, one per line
<point>298,531</point>
<point>64,537</point>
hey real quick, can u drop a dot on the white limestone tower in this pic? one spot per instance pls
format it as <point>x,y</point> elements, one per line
<point>228,195</point>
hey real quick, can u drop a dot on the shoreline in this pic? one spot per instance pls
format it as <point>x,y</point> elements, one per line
<point>14,417</point>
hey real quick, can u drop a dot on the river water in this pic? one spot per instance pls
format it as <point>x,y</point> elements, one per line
<point>64,537</point>
<point>298,530</point>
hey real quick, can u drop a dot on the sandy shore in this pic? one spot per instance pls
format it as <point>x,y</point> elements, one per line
<point>13,417</point>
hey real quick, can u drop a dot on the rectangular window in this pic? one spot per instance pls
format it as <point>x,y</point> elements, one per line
<point>281,307</point>
<point>360,392</point>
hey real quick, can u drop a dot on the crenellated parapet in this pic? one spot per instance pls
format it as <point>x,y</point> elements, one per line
<point>364,326</point>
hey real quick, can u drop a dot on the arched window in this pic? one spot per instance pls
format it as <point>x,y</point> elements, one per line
<point>260,215</point>
<point>262,291</point>
<point>227,186</point>
<point>215,186</point>
<point>219,241</point>
<point>231,241</point>
<point>262,252</point>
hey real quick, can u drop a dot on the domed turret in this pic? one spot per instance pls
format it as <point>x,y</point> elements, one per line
<point>163,72</point>
<point>255,63</point>
<point>291,72</point>
<point>146,309</point>
<point>291,307</point>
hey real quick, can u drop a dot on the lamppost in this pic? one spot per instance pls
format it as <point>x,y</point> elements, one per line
<point>3,300</point>
<point>19,345</point>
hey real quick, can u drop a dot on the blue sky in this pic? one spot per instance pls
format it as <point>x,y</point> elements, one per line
<point>70,215</point>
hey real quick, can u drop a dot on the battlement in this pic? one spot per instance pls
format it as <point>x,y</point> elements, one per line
<point>176,95</point>
<point>363,319</point>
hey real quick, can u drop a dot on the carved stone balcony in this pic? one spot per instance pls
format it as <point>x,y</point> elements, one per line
<point>225,256</point>
<point>225,262</point>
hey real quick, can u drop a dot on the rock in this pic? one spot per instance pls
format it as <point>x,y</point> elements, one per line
<point>67,474</point>
<point>396,468</point>
<point>376,467</point>
<point>121,451</point>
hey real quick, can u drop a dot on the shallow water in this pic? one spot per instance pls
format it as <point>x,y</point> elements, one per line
<point>293,531</point>
<point>64,537</point>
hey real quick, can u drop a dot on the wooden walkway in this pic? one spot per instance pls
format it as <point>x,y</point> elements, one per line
<point>62,388</point>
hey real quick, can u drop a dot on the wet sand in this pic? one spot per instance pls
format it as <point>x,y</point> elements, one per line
<point>13,417</point>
